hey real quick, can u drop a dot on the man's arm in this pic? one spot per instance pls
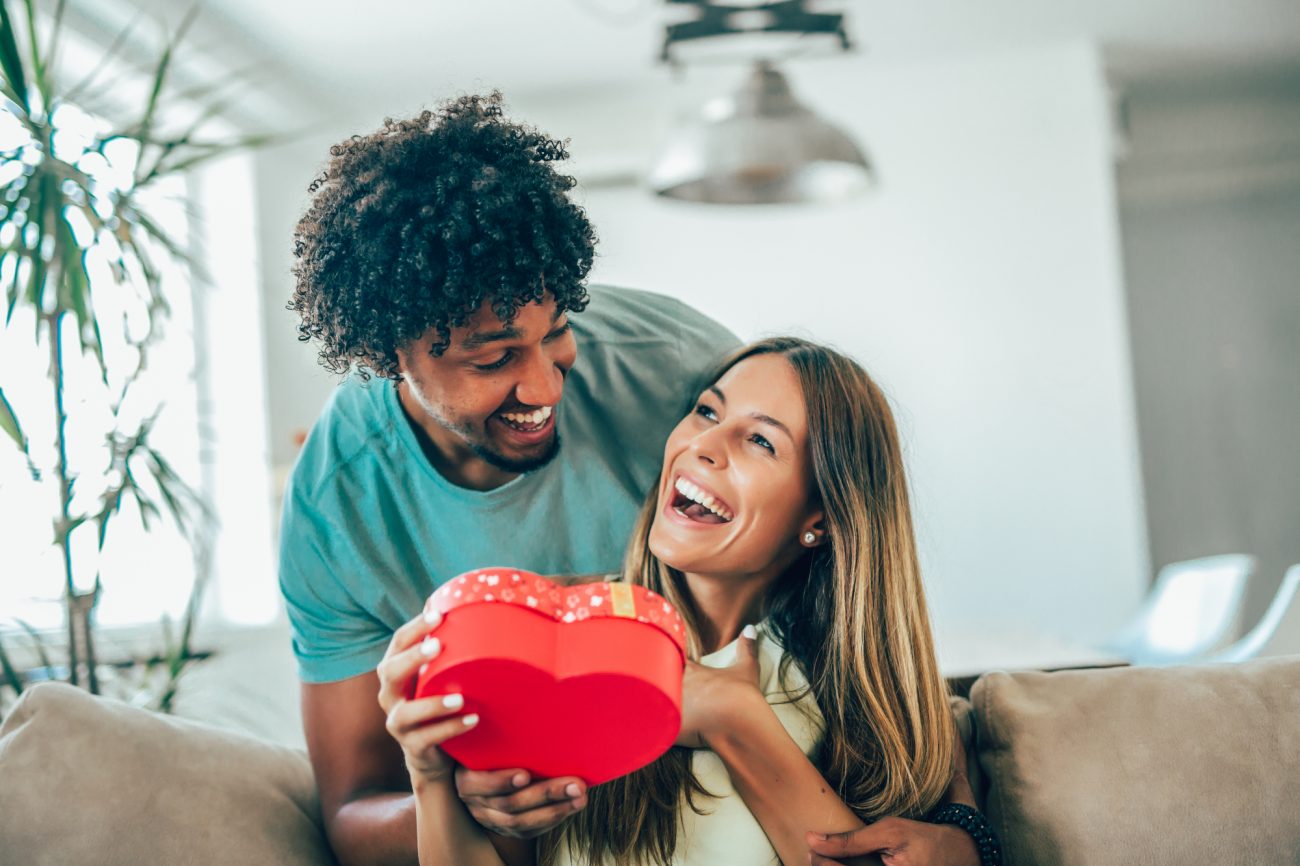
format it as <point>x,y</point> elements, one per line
<point>365,791</point>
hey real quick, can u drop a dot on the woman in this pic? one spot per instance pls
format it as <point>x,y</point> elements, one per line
<point>782,502</point>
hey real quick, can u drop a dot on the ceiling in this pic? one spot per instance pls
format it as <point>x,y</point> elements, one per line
<point>344,53</point>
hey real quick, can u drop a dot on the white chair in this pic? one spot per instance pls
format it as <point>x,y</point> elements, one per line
<point>1193,609</point>
<point>1278,631</point>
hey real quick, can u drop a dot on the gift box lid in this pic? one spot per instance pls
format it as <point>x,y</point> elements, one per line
<point>561,603</point>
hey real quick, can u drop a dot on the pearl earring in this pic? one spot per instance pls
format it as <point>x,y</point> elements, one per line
<point>809,538</point>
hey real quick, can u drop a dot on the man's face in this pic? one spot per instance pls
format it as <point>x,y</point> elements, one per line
<point>491,395</point>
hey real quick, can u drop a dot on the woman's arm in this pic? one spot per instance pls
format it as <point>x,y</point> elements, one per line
<point>787,795</point>
<point>723,710</point>
<point>791,800</point>
<point>446,834</point>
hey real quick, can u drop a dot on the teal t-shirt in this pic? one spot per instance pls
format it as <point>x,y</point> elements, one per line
<point>370,528</point>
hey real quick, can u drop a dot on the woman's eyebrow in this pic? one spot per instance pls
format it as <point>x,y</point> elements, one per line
<point>757,416</point>
<point>768,419</point>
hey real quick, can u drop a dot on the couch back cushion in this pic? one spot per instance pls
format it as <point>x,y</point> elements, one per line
<point>1152,766</point>
<point>87,780</point>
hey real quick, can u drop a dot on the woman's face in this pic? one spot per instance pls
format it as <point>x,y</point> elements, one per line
<point>735,492</point>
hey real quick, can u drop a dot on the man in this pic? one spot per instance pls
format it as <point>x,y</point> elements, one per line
<point>502,415</point>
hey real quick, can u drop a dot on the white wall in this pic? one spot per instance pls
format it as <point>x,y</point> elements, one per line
<point>980,283</point>
<point>1211,223</point>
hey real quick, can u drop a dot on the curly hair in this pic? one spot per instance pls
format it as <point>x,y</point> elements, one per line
<point>419,224</point>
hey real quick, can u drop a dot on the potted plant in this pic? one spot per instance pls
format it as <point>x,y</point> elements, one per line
<point>77,229</point>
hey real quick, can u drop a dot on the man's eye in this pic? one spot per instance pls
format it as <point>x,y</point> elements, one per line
<point>558,332</point>
<point>495,365</point>
<point>761,442</point>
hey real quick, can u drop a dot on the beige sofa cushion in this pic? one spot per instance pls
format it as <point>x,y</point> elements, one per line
<point>1172,766</point>
<point>87,780</point>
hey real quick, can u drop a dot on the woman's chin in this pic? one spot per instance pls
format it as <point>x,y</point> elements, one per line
<point>674,554</point>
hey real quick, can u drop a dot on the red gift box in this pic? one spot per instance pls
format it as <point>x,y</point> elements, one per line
<point>579,680</point>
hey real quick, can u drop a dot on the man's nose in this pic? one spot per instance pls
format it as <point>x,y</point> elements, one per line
<point>541,385</point>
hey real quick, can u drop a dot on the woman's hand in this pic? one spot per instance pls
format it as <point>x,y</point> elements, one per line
<point>711,695</point>
<point>419,726</point>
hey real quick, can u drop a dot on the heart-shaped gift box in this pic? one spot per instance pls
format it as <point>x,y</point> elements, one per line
<point>582,680</point>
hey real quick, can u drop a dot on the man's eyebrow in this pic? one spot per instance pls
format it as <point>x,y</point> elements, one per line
<point>482,338</point>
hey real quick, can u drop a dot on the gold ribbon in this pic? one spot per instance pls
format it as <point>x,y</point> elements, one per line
<point>620,594</point>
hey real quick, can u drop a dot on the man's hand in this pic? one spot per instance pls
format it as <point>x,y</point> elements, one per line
<point>896,842</point>
<point>506,804</point>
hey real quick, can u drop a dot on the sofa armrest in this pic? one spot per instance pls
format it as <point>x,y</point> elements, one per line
<point>89,780</point>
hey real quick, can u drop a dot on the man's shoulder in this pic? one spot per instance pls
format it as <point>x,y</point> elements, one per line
<point>354,415</point>
<point>622,315</point>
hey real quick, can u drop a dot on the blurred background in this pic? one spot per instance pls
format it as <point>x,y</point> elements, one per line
<point>1075,269</point>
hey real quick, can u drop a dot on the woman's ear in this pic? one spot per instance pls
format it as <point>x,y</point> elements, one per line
<point>812,532</point>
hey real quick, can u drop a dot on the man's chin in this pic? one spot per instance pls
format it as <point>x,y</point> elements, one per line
<point>520,462</point>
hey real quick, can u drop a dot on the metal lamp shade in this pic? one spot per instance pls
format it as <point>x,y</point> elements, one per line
<point>760,146</point>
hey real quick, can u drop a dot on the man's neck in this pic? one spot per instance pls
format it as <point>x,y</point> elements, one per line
<point>447,452</point>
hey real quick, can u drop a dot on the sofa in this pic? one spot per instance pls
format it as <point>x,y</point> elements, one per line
<point>1157,767</point>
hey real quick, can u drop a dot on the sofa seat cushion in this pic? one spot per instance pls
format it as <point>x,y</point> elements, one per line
<point>1143,765</point>
<point>88,780</point>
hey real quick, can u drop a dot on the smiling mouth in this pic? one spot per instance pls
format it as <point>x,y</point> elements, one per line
<point>696,504</point>
<point>527,422</point>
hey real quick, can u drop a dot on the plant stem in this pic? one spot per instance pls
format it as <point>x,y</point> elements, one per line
<point>79,609</point>
<point>62,532</point>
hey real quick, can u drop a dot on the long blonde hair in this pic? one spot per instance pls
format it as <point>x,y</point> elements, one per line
<point>851,614</point>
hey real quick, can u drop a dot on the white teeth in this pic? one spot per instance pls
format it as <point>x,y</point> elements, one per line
<point>695,494</point>
<point>531,419</point>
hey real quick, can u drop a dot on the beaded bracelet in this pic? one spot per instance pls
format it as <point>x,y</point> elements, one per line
<point>974,823</point>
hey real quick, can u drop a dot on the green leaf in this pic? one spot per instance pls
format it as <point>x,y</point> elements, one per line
<point>9,423</point>
<point>52,44</point>
<point>145,127</point>
<point>38,643</point>
<point>12,677</point>
<point>38,64</point>
<point>215,150</point>
<point>11,60</point>
<point>77,296</point>
<point>75,92</point>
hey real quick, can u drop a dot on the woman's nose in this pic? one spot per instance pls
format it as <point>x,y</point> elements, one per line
<point>709,446</point>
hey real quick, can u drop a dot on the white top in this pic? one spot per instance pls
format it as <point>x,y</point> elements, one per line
<point>728,832</point>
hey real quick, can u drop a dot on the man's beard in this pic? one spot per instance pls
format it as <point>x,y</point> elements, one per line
<point>516,467</point>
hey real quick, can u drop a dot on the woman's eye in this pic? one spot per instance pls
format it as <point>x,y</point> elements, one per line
<point>705,412</point>
<point>495,365</point>
<point>762,442</point>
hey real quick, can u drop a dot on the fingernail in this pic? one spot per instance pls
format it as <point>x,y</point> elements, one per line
<point>453,702</point>
<point>750,632</point>
<point>519,780</point>
<point>470,720</point>
<point>424,667</point>
<point>430,646</point>
<point>433,616</point>
<point>572,790</point>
